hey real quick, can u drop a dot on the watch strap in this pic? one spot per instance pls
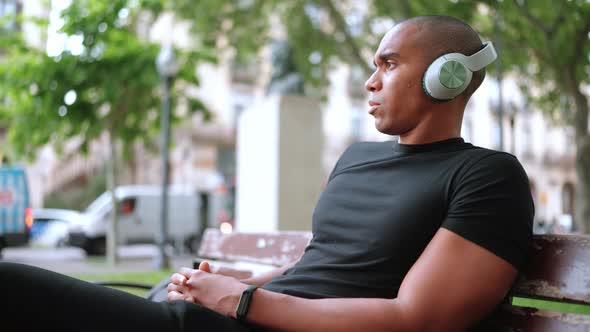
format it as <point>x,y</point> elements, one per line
<point>244,303</point>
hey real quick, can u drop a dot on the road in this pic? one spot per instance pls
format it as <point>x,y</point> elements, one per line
<point>70,260</point>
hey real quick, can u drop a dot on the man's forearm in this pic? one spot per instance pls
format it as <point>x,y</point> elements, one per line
<point>265,277</point>
<point>282,312</point>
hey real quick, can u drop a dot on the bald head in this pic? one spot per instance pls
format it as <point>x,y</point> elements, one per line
<point>438,35</point>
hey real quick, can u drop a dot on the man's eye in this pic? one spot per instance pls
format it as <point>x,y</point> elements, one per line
<point>389,65</point>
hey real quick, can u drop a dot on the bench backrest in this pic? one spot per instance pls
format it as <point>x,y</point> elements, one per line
<point>275,249</point>
<point>558,270</point>
<point>270,249</point>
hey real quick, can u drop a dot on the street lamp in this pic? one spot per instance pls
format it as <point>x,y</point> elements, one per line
<point>500,109</point>
<point>167,67</point>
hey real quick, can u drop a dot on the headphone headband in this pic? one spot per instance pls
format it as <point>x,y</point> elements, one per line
<point>481,58</point>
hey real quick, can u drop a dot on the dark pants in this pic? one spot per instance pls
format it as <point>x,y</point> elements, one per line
<point>34,299</point>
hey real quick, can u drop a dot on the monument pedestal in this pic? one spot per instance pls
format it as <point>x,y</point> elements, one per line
<point>279,164</point>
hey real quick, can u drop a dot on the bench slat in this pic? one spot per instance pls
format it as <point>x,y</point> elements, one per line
<point>559,269</point>
<point>263,248</point>
<point>514,319</point>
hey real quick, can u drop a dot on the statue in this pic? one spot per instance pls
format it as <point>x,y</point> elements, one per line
<point>285,78</point>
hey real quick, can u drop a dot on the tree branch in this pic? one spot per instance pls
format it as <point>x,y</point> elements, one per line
<point>120,108</point>
<point>581,36</point>
<point>580,102</point>
<point>534,20</point>
<point>559,20</point>
<point>341,25</point>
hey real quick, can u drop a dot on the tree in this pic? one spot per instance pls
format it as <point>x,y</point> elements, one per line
<point>545,42</point>
<point>106,81</point>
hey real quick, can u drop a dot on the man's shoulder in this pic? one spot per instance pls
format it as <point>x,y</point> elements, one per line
<point>483,162</point>
<point>484,157</point>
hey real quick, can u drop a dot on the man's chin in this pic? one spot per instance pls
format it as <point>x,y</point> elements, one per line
<point>384,128</point>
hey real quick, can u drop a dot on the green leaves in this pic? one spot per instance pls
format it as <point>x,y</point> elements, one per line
<point>544,40</point>
<point>247,26</point>
<point>110,79</point>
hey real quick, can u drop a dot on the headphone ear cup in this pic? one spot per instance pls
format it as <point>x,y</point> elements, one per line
<point>426,77</point>
<point>446,77</point>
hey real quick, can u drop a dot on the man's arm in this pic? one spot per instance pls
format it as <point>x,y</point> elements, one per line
<point>453,284</point>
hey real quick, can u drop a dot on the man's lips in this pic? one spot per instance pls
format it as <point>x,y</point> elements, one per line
<point>373,106</point>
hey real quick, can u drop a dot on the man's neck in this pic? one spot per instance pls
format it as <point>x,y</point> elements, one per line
<point>431,130</point>
<point>404,139</point>
<point>440,123</point>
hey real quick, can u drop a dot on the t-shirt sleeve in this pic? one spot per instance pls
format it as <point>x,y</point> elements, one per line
<point>491,205</point>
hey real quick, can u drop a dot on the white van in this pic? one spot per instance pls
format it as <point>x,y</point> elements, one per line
<point>139,218</point>
<point>51,226</point>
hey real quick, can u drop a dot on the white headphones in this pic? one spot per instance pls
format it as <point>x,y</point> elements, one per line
<point>450,74</point>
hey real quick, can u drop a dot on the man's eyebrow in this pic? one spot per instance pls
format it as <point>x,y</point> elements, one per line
<point>386,56</point>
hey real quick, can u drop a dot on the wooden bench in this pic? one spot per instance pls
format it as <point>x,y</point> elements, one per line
<point>558,271</point>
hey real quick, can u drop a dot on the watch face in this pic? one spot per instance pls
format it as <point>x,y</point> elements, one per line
<point>244,304</point>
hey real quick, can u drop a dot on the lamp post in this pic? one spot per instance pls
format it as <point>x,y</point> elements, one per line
<point>500,110</point>
<point>167,67</point>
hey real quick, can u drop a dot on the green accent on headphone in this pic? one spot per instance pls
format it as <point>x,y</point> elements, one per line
<point>452,75</point>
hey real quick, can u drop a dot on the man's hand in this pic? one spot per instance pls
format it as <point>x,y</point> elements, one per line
<point>216,292</point>
<point>177,289</point>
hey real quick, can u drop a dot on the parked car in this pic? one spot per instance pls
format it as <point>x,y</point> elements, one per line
<point>51,226</point>
<point>15,209</point>
<point>139,218</point>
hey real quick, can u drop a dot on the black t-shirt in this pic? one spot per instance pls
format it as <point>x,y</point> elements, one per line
<point>385,201</point>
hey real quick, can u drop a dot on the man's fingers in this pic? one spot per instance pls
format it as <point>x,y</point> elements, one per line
<point>175,296</point>
<point>187,272</point>
<point>177,288</point>
<point>187,276</point>
<point>204,266</point>
<point>179,279</point>
<point>171,287</point>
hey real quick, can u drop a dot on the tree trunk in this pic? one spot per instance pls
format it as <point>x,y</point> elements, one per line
<point>582,141</point>
<point>111,231</point>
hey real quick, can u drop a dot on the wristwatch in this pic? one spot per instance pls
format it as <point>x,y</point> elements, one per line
<point>244,304</point>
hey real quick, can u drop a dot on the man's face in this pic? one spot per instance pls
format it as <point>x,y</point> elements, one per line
<point>397,100</point>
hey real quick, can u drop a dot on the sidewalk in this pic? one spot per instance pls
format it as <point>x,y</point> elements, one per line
<point>101,266</point>
<point>73,261</point>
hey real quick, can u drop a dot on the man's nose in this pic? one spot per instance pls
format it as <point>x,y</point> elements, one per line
<point>373,83</point>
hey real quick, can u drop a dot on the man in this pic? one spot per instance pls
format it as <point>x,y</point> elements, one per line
<point>426,234</point>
